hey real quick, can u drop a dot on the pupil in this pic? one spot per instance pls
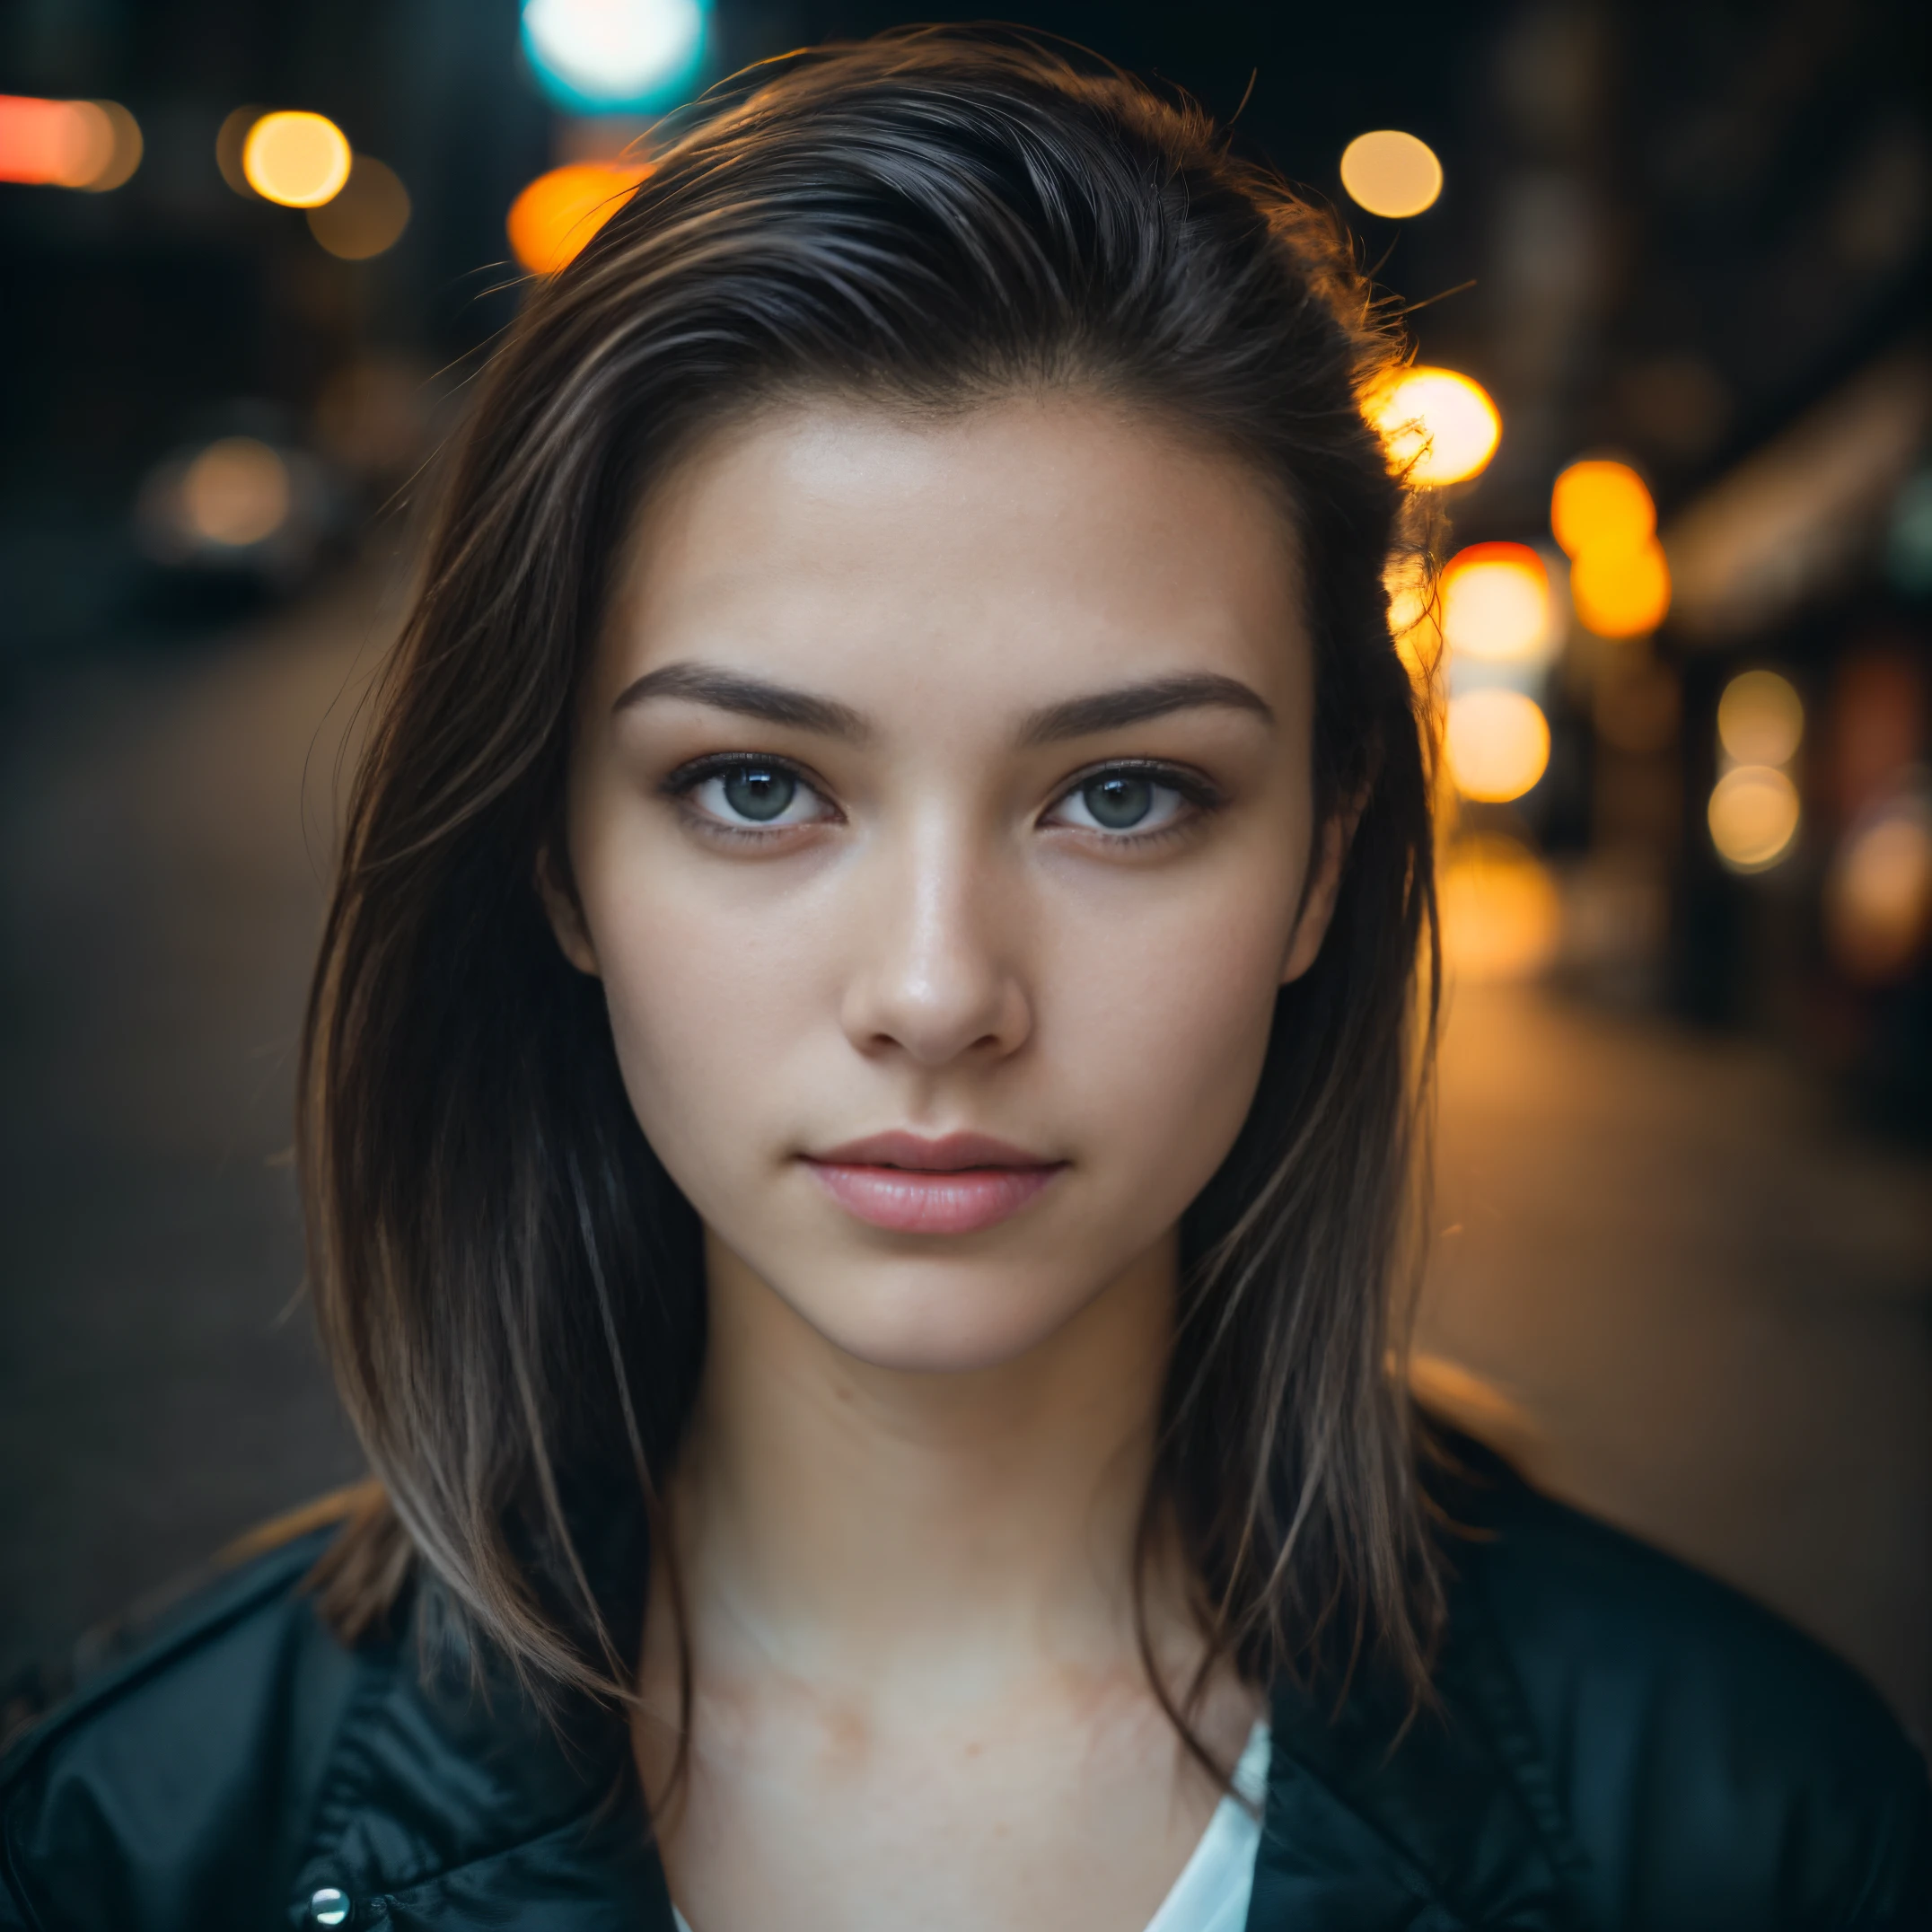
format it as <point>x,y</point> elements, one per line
<point>757,791</point>
<point>1118,802</point>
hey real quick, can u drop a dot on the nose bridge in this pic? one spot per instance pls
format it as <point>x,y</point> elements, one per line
<point>935,974</point>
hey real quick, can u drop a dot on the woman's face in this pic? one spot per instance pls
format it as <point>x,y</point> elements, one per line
<point>940,814</point>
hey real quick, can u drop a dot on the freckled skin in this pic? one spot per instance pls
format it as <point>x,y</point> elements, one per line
<point>906,1508</point>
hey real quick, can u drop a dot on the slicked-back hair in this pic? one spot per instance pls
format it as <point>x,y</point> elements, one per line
<point>509,1287</point>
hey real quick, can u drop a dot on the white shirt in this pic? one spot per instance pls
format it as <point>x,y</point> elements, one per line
<point>1212,1891</point>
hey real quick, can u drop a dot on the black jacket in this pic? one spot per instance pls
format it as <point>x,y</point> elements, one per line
<point>1619,1743</point>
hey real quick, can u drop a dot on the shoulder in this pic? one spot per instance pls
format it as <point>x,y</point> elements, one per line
<point>224,1763</point>
<point>171,1775</point>
<point>1705,1760</point>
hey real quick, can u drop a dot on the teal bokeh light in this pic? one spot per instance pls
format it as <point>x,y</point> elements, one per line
<point>613,57</point>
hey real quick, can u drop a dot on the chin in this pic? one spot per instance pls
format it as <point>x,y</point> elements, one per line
<point>933,1322</point>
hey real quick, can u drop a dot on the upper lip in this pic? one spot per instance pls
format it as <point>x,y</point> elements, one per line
<point>945,1153</point>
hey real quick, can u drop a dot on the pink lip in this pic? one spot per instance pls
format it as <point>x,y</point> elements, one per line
<point>954,1185</point>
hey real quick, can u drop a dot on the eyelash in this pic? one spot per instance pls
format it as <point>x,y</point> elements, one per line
<point>686,780</point>
<point>1197,791</point>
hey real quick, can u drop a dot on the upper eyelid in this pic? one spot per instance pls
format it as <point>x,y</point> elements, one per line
<point>695,770</point>
<point>1196,786</point>
<point>1192,784</point>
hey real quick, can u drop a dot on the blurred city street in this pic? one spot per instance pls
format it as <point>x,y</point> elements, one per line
<point>1708,1300</point>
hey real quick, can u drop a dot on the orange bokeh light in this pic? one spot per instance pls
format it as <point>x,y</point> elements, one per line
<point>553,218</point>
<point>67,144</point>
<point>1601,504</point>
<point>1621,593</point>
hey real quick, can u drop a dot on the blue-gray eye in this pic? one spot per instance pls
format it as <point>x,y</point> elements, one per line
<point>1118,800</point>
<point>761,793</point>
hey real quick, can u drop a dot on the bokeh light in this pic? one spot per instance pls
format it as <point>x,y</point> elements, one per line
<point>92,145</point>
<point>236,493</point>
<point>368,217</point>
<point>1502,918</point>
<point>1753,817</point>
<point>552,219</point>
<point>1621,593</point>
<point>1760,719</point>
<point>229,141</point>
<point>1392,174</point>
<point>1601,504</point>
<point>1439,427</point>
<point>298,159</point>
<point>599,55</point>
<point>1499,744</point>
<point>1878,896</point>
<point>1495,604</point>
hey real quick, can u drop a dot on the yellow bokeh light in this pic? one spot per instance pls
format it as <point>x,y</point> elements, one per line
<point>1760,719</point>
<point>1878,899</point>
<point>300,160</point>
<point>1501,916</point>
<point>368,217</point>
<point>1601,504</point>
<point>1496,603</point>
<point>1753,816</point>
<point>552,219</point>
<point>1499,744</point>
<point>1621,593</point>
<point>1392,174</point>
<point>1439,427</point>
<point>235,493</point>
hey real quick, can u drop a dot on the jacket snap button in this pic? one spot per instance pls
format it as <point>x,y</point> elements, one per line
<point>328,1907</point>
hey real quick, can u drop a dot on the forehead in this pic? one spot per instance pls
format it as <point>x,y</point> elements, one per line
<point>1020,550</point>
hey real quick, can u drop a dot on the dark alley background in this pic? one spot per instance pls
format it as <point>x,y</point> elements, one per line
<point>1682,1262</point>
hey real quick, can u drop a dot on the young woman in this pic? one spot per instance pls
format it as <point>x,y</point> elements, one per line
<point>860,1097</point>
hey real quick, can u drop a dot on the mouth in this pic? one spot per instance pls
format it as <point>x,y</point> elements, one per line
<point>956,1184</point>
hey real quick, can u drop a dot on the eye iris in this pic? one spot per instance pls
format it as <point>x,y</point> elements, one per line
<point>759,793</point>
<point>1119,801</point>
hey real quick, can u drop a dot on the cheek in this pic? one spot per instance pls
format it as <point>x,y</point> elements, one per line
<point>712,1004</point>
<point>1161,1028</point>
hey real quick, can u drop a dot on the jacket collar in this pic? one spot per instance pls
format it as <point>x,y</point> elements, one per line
<point>451,1800</point>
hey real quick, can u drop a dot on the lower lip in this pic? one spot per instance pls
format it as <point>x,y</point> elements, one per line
<point>911,1201</point>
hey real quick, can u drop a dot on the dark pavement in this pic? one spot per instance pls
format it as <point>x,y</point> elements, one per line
<point>1710,1302</point>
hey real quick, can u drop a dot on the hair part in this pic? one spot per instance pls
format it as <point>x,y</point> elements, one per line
<point>509,1287</point>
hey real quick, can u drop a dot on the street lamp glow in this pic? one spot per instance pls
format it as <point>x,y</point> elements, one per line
<point>595,56</point>
<point>1438,425</point>
<point>1390,173</point>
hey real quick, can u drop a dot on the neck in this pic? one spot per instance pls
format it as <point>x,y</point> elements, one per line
<point>842,1520</point>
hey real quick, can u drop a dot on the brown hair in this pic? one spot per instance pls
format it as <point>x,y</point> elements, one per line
<point>509,1286</point>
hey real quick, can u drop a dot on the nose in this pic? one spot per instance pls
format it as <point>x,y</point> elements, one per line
<point>935,975</point>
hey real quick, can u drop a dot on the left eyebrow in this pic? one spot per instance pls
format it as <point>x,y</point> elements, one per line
<point>1135,704</point>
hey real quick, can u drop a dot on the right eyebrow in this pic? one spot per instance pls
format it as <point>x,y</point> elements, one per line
<point>752,698</point>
